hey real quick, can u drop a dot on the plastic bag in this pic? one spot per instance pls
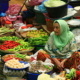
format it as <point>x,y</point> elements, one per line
<point>13,9</point>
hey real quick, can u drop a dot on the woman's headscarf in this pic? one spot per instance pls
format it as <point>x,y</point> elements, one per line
<point>66,35</point>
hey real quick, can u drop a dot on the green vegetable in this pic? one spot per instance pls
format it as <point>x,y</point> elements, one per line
<point>38,40</point>
<point>24,46</point>
<point>12,38</point>
<point>22,56</point>
<point>72,74</point>
<point>54,3</point>
<point>48,67</point>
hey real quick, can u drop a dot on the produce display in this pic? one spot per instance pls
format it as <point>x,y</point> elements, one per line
<point>23,56</point>
<point>77,75</point>
<point>5,38</point>
<point>71,74</point>
<point>23,46</point>
<point>36,33</point>
<point>60,76</point>
<point>10,56</point>
<point>4,30</point>
<point>14,63</point>
<point>37,37</point>
<point>54,3</point>
<point>39,67</point>
<point>9,45</point>
<point>14,44</point>
<point>38,64</point>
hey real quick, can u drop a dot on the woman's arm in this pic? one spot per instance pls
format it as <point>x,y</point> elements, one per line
<point>57,63</point>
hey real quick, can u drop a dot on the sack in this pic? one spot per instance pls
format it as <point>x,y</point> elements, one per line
<point>34,2</point>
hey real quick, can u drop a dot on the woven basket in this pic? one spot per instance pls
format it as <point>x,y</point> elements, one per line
<point>7,34</point>
<point>3,52</point>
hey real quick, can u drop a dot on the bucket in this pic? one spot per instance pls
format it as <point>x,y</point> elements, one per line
<point>57,12</point>
<point>39,18</point>
<point>34,76</point>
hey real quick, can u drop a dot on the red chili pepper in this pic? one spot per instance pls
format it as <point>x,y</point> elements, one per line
<point>78,73</point>
<point>9,45</point>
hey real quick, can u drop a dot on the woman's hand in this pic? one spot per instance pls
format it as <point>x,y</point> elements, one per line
<point>58,64</point>
<point>62,62</point>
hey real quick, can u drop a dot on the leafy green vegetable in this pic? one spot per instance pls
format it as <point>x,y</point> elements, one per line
<point>54,3</point>
<point>38,40</point>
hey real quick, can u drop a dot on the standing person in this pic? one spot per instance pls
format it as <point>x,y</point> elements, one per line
<point>61,44</point>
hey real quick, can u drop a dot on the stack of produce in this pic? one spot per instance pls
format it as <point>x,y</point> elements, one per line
<point>4,30</point>
<point>14,44</point>
<point>23,56</point>
<point>14,63</point>
<point>63,75</point>
<point>8,45</point>
<point>37,37</point>
<point>72,74</point>
<point>10,56</point>
<point>44,76</point>
<point>5,38</point>
<point>39,67</point>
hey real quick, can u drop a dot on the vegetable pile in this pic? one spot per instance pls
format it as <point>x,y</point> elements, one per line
<point>20,55</point>
<point>36,33</point>
<point>14,63</point>
<point>44,76</point>
<point>37,37</point>
<point>39,66</point>
<point>8,45</point>
<point>5,38</point>
<point>14,44</point>
<point>10,56</point>
<point>4,30</point>
<point>71,74</point>
<point>24,46</point>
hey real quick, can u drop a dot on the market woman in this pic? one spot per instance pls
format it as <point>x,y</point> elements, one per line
<point>61,44</point>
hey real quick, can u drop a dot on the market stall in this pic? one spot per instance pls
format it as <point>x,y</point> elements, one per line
<point>23,35</point>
